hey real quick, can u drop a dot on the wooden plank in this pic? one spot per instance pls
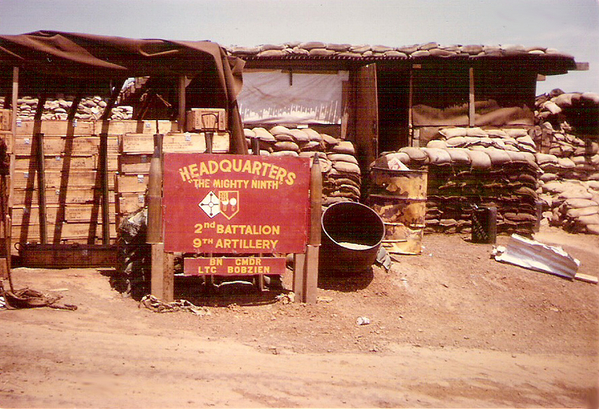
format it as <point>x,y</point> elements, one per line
<point>299,263</point>
<point>366,115</point>
<point>5,120</point>
<point>174,142</point>
<point>56,179</point>
<point>57,145</point>
<point>53,128</point>
<point>59,162</point>
<point>31,233</point>
<point>55,196</point>
<point>23,215</point>
<point>471,101</point>
<point>586,278</point>
<point>132,183</point>
<point>162,276</point>
<point>134,164</point>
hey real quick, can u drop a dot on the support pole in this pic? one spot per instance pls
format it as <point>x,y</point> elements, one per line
<point>38,137</point>
<point>181,110</point>
<point>471,106</point>
<point>313,248</point>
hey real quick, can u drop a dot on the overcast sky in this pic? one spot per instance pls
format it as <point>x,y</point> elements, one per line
<point>571,26</point>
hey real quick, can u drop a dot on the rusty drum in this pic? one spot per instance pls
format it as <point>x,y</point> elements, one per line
<point>399,198</point>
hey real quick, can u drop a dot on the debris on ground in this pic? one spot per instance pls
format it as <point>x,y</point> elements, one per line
<point>156,305</point>
<point>28,298</point>
<point>363,321</point>
<point>537,256</point>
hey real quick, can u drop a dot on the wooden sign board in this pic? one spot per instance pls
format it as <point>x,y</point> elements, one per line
<point>235,204</point>
<point>233,266</point>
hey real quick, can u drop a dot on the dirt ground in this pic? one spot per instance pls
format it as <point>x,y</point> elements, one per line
<point>449,328</point>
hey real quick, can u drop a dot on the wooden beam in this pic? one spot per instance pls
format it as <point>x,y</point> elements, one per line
<point>471,100</point>
<point>410,110</point>
<point>41,171</point>
<point>313,248</point>
<point>163,273</point>
<point>182,103</point>
<point>582,66</point>
<point>15,98</point>
<point>154,199</point>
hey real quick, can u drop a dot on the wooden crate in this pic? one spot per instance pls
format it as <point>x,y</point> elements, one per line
<point>132,126</point>
<point>67,255</point>
<point>31,232</point>
<point>56,179</point>
<point>29,197</point>
<point>174,142</point>
<point>6,136</point>
<point>131,183</point>
<point>57,145</point>
<point>135,164</point>
<point>127,203</point>
<point>73,213</point>
<point>51,127</point>
<point>5,119</point>
<point>201,119</point>
<point>58,162</point>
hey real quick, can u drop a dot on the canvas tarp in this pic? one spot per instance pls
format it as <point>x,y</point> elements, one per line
<point>76,60</point>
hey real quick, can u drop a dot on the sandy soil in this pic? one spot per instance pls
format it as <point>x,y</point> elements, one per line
<point>448,328</point>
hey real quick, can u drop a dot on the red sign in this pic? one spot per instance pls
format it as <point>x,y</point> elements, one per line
<point>235,204</point>
<point>237,266</point>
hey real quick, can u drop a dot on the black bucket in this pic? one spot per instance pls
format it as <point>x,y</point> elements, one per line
<point>484,225</point>
<point>351,236</point>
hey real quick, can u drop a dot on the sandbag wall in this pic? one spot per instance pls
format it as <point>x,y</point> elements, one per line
<point>342,178</point>
<point>567,136</point>
<point>475,167</point>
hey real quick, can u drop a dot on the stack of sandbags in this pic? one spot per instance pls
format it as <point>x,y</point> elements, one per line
<point>567,135</point>
<point>573,205</point>
<point>460,178</point>
<point>90,108</point>
<point>341,173</point>
<point>509,139</point>
<point>348,51</point>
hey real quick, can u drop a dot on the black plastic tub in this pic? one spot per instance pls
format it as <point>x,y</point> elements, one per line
<point>351,236</point>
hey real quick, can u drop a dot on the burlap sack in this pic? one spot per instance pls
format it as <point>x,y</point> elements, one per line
<point>439,157</point>
<point>344,147</point>
<point>346,167</point>
<point>329,140</point>
<point>479,159</point>
<point>575,192</point>
<point>565,163</point>
<point>280,130</point>
<point>516,132</point>
<point>286,146</point>
<point>456,141</point>
<point>285,153</point>
<point>576,212</point>
<point>459,156</point>
<point>593,228</point>
<point>313,135</point>
<point>437,143</point>
<point>342,157</point>
<point>264,135</point>
<point>579,203</point>
<point>498,157</point>
<point>300,136</point>
<point>415,154</point>
<point>312,146</point>
<point>543,158</point>
<point>453,132</point>
<point>248,133</point>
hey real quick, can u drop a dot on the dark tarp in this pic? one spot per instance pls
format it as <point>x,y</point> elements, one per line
<point>71,62</point>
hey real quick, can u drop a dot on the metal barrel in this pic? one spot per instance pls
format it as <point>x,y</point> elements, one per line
<point>351,237</point>
<point>484,225</point>
<point>399,198</point>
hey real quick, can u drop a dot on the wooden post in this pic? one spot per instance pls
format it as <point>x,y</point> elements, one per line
<point>154,232</point>
<point>163,273</point>
<point>38,138</point>
<point>310,281</point>
<point>471,106</point>
<point>104,164</point>
<point>181,92</point>
<point>410,103</point>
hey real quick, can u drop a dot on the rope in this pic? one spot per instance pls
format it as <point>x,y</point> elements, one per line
<point>156,305</point>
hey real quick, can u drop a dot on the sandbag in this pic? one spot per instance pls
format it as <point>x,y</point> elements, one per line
<point>415,154</point>
<point>300,136</point>
<point>479,159</point>
<point>498,157</point>
<point>286,146</point>
<point>313,135</point>
<point>439,157</point>
<point>437,143</point>
<point>344,147</point>
<point>342,157</point>
<point>459,156</point>
<point>579,203</point>
<point>264,135</point>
